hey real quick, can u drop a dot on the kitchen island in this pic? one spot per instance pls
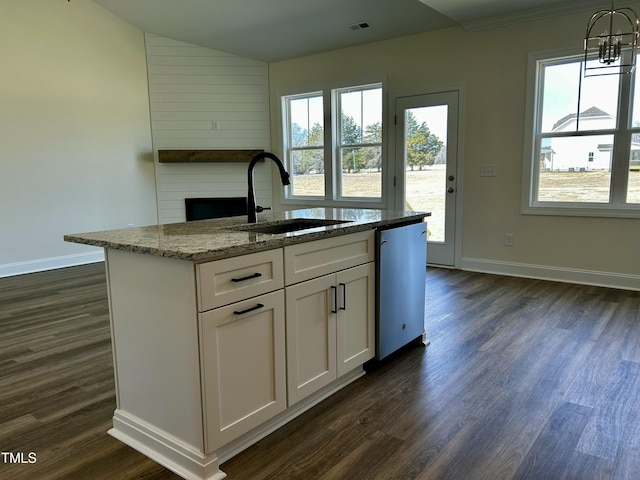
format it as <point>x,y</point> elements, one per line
<point>222,331</point>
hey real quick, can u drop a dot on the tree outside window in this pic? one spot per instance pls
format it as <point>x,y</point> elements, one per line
<point>354,153</point>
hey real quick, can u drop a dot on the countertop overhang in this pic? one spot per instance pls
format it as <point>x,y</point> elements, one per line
<point>214,239</point>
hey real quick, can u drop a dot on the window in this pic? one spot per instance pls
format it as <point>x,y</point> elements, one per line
<point>340,161</point>
<point>305,139</point>
<point>585,138</point>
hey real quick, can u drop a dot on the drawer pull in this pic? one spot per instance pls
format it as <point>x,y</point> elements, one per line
<point>249,277</point>
<point>242,312</point>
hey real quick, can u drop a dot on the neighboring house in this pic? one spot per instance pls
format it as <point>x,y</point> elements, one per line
<point>583,153</point>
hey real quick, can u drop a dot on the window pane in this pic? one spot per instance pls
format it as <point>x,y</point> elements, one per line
<point>307,172</point>
<point>575,169</point>
<point>306,121</point>
<point>633,188</point>
<point>635,117</point>
<point>361,171</point>
<point>598,101</point>
<point>360,116</point>
<point>306,129</point>
<point>360,123</point>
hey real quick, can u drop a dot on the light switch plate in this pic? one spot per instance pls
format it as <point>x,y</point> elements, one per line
<point>488,170</point>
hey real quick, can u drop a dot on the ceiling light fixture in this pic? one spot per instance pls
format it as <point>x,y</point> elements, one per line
<point>609,45</point>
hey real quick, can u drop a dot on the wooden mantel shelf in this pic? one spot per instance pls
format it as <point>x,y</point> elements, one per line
<point>202,156</point>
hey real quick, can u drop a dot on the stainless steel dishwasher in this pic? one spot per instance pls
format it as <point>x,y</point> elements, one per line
<point>400,287</point>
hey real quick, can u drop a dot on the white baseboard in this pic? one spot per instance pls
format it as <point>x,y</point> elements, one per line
<point>170,452</point>
<point>42,264</point>
<point>184,460</point>
<point>557,274</point>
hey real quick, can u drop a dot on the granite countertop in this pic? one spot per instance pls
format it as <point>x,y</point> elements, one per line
<point>206,240</point>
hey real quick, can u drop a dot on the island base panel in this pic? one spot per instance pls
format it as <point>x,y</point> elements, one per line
<point>165,450</point>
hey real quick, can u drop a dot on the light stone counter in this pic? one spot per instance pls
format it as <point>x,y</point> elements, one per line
<point>207,240</point>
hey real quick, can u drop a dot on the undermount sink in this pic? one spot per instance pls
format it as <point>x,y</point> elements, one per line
<point>284,226</point>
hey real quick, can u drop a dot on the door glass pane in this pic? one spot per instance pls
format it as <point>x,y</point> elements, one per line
<point>306,137</point>
<point>575,169</point>
<point>426,165</point>
<point>360,143</point>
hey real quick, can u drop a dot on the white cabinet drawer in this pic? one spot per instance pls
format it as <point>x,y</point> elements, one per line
<point>305,261</point>
<point>233,279</point>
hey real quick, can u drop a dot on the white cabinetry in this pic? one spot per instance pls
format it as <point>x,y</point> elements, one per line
<point>243,366</point>
<point>233,279</point>
<point>209,358</point>
<point>356,316</point>
<point>330,319</point>
<point>243,344</point>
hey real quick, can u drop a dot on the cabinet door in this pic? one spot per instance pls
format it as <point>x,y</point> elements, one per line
<point>356,317</point>
<point>244,366</point>
<point>311,336</point>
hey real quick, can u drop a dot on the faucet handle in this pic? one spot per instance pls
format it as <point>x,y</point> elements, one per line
<point>260,209</point>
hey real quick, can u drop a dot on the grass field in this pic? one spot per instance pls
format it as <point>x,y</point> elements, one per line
<point>426,189</point>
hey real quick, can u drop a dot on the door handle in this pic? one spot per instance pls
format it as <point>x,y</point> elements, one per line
<point>344,296</point>
<point>335,299</point>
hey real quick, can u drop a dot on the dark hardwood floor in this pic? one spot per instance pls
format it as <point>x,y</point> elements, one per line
<point>524,379</point>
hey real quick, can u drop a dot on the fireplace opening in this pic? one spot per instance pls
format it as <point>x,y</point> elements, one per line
<point>215,207</point>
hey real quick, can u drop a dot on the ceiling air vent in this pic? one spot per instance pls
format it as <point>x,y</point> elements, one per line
<point>359,26</point>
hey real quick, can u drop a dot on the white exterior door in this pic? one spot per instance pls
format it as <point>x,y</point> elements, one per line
<point>427,166</point>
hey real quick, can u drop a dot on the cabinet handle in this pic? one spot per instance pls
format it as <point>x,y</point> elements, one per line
<point>344,296</point>
<point>249,277</point>
<point>335,299</point>
<point>242,312</point>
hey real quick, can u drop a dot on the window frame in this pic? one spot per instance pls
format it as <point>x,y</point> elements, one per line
<point>622,134</point>
<point>288,147</point>
<point>332,173</point>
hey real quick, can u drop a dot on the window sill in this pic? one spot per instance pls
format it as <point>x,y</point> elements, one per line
<point>321,202</point>
<point>582,211</point>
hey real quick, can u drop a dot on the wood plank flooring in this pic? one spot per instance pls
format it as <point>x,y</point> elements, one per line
<point>524,379</point>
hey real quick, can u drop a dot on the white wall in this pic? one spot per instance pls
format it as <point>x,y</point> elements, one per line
<point>492,66</point>
<point>191,89</point>
<point>75,138</point>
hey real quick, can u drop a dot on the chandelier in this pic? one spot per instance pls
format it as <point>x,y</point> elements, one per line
<point>609,32</point>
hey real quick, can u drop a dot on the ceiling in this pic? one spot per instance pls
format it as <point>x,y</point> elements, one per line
<point>274,30</point>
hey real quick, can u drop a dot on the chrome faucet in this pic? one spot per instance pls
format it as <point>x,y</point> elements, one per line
<point>252,208</point>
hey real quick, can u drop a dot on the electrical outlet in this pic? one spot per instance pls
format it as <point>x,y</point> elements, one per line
<point>488,170</point>
<point>508,239</point>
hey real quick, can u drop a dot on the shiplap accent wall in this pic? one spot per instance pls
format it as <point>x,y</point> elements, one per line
<point>205,99</point>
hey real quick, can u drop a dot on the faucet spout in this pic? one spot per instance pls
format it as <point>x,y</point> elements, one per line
<point>252,208</point>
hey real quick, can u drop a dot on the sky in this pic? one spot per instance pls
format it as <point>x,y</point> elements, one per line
<point>366,107</point>
<point>561,93</point>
